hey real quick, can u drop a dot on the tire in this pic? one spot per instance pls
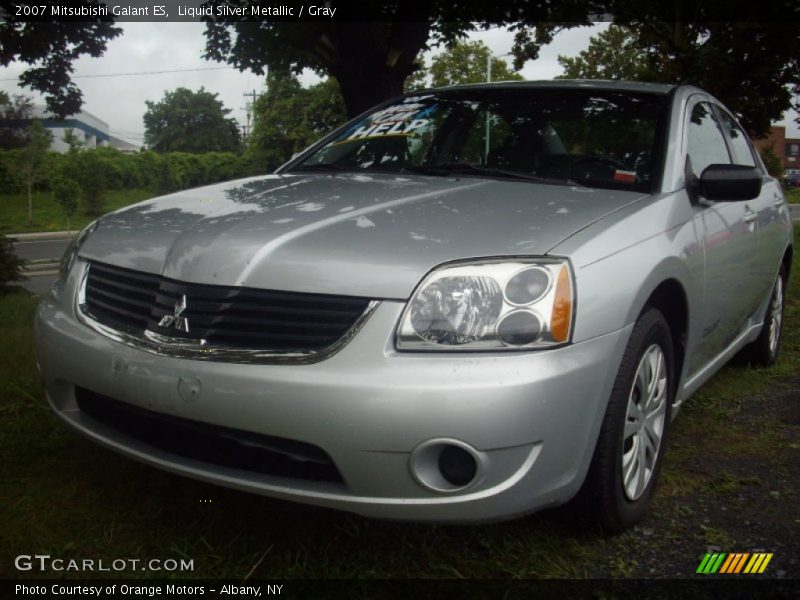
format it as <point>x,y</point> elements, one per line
<point>616,494</point>
<point>763,352</point>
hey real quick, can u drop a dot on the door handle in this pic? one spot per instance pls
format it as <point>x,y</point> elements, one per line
<point>777,203</point>
<point>750,216</point>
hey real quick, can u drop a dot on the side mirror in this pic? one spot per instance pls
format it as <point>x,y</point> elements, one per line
<point>729,183</point>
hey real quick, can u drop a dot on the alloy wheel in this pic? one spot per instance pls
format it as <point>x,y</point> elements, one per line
<point>644,424</point>
<point>776,316</point>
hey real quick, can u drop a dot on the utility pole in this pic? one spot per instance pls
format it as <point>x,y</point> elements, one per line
<point>488,80</point>
<point>489,58</point>
<point>248,107</point>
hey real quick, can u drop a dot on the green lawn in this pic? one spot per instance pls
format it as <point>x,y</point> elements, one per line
<point>47,214</point>
<point>792,195</point>
<point>731,450</point>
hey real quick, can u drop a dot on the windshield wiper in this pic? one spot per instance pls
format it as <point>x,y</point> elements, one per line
<point>319,167</point>
<point>426,170</point>
<point>497,172</point>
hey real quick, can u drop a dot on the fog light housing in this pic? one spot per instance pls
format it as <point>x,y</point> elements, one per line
<point>458,467</point>
<point>446,465</point>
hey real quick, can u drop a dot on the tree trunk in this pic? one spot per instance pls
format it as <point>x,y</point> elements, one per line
<point>363,86</point>
<point>371,61</point>
<point>30,202</point>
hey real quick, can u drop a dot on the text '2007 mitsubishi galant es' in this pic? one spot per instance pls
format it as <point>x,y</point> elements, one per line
<point>467,304</point>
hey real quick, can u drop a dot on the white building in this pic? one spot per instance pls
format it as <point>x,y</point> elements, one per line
<point>90,131</point>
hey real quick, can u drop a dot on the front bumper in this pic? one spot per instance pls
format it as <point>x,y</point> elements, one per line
<point>531,417</point>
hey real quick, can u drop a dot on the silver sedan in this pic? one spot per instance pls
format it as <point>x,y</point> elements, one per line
<point>468,304</point>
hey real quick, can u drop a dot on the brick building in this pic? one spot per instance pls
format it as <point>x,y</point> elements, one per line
<point>787,149</point>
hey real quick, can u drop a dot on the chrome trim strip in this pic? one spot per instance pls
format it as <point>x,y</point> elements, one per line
<point>200,350</point>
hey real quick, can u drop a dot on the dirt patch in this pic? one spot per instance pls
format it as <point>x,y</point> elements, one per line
<point>731,489</point>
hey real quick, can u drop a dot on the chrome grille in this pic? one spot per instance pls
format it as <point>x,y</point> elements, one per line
<point>221,317</point>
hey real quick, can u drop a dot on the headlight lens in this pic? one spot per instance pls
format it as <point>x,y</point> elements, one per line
<point>497,304</point>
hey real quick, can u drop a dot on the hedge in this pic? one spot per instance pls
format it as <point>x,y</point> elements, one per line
<point>162,173</point>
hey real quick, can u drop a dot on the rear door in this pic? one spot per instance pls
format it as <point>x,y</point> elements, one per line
<point>771,223</point>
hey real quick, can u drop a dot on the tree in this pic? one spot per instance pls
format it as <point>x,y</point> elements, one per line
<point>52,46</point>
<point>10,265</point>
<point>91,173</point>
<point>187,121</point>
<point>73,142</point>
<point>31,159</point>
<point>289,118</point>
<point>771,160</point>
<point>419,77</point>
<point>372,53</point>
<point>749,61</point>
<point>613,54</point>
<point>751,64</point>
<point>66,192</point>
<point>15,116</point>
<point>465,62</point>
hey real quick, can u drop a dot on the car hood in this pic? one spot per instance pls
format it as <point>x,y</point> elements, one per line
<point>363,235</point>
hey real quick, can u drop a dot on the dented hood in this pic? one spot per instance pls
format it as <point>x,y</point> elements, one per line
<point>363,235</point>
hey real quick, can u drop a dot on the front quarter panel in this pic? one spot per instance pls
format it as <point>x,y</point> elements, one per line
<point>622,259</point>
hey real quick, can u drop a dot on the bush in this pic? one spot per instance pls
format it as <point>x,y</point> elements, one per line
<point>771,161</point>
<point>66,192</point>
<point>10,265</point>
<point>101,169</point>
<point>92,179</point>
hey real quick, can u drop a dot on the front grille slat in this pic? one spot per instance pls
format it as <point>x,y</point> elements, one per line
<point>120,312</point>
<point>119,272</point>
<point>121,287</point>
<point>235,323</point>
<point>167,303</point>
<point>115,297</point>
<point>223,316</point>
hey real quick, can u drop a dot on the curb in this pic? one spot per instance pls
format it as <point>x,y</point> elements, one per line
<point>41,236</point>
<point>36,267</point>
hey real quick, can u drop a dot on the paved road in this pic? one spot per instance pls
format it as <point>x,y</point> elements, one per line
<point>40,249</point>
<point>39,283</point>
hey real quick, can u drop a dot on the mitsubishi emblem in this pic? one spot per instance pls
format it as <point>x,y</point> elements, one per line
<point>175,319</point>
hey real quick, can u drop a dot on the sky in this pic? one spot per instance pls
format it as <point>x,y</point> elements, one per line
<point>119,100</point>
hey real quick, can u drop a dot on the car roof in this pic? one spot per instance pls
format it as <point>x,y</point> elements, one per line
<point>596,84</point>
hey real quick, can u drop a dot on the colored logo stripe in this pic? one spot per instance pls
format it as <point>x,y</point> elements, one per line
<point>720,562</point>
<point>735,562</point>
<point>758,563</point>
<point>711,563</point>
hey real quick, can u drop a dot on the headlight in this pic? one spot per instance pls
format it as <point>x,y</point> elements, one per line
<point>491,304</point>
<point>71,253</point>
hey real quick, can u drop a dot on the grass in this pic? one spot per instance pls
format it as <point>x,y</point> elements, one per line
<point>47,214</point>
<point>63,496</point>
<point>792,195</point>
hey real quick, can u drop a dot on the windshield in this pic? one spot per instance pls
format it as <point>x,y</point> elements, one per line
<point>596,138</point>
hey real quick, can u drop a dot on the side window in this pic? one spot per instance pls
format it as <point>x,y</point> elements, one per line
<point>706,145</point>
<point>740,147</point>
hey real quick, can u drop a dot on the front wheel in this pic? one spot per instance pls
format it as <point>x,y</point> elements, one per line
<point>621,481</point>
